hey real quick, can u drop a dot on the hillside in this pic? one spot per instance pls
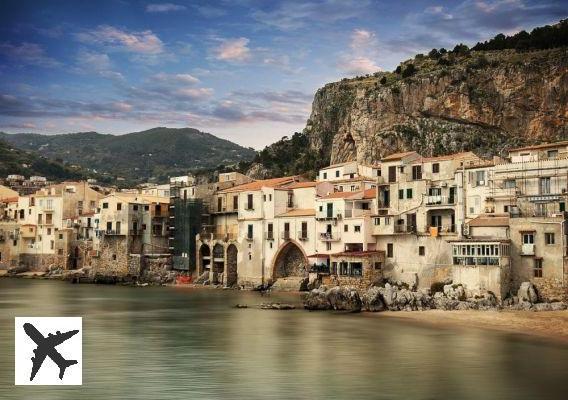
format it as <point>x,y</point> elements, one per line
<point>15,161</point>
<point>156,153</point>
<point>443,102</point>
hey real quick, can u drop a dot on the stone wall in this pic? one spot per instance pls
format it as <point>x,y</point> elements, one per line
<point>551,289</point>
<point>113,257</point>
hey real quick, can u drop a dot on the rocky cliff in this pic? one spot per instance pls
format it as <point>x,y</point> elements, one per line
<point>482,101</point>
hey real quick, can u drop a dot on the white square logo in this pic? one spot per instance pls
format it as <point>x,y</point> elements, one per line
<point>49,351</point>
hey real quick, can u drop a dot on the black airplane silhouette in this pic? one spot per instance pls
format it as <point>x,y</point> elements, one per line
<point>46,347</point>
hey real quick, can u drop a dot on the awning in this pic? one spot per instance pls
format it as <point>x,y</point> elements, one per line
<point>317,255</point>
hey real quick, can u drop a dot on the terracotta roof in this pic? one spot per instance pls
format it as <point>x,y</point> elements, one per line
<point>370,193</point>
<point>489,221</point>
<point>301,185</point>
<point>338,165</point>
<point>257,185</point>
<point>341,195</point>
<point>367,253</point>
<point>541,146</point>
<point>398,156</point>
<point>10,200</point>
<point>299,212</point>
<point>318,255</point>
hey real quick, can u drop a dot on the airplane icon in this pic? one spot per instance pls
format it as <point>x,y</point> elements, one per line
<point>46,348</point>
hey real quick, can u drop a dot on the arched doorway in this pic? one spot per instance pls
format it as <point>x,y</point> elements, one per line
<point>204,258</point>
<point>289,261</point>
<point>232,253</point>
<point>218,264</point>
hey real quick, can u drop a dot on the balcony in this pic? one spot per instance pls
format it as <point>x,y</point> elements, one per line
<point>269,235</point>
<point>112,232</point>
<point>285,235</point>
<point>435,230</point>
<point>135,232</point>
<point>330,236</point>
<point>527,249</point>
<point>403,228</point>
<point>438,200</point>
<point>302,235</point>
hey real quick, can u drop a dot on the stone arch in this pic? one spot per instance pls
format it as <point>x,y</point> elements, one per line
<point>290,260</point>
<point>231,263</point>
<point>218,264</point>
<point>204,258</point>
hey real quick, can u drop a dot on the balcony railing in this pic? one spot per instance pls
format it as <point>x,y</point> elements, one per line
<point>248,237</point>
<point>302,235</point>
<point>527,250</point>
<point>112,232</point>
<point>285,235</point>
<point>403,228</point>
<point>329,236</point>
<point>269,235</point>
<point>440,200</point>
<point>441,229</point>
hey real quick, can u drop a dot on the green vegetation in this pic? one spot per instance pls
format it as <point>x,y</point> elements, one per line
<point>154,154</point>
<point>544,37</point>
<point>15,161</point>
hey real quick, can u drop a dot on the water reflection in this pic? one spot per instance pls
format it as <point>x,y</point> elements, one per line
<point>149,343</point>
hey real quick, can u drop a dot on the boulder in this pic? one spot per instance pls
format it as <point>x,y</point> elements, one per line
<point>527,292</point>
<point>344,299</point>
<point>277,306</point>
<point>317,300</point>
<point>290,284</point>
<point>373,300</point>
<point>441,302</point>
<point>542,307</point>
<point>455,292</point>
<point>558,306</point>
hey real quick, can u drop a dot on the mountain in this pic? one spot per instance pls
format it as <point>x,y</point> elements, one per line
<point>15,161</point>
<point>156,153</point>
<point>511,92</point>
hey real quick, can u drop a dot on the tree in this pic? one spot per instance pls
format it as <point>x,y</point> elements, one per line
<point>383,80</point>
<point>434,54</point>
<point>398,70</point>
<point>409,71</point>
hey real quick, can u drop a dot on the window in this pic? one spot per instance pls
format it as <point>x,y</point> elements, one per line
<point>321,208</point>
<point>387,220</point>
<point>544,185</point>
<point>421,250</point>
<point>506,209</point>
<point>390,250</point>
<point>105,205</point>
<point>345,228</point>
<point>60,252</point>
<point>562,207</point>
<point>357,228</point>
<point>416,172</point>
<point>552,154</point>
<point>249,232</point>
<point>377,221</point>
<point>549,238</point>
<point>51,244</point>
<point>510,184</point>
<point>408,193</point>
<point>60,236</point>
<point>114,256</point>
<point>435,168</point>
<point>537,268</point>
<point>270,197</point>
<point>235,202</point>
<point>337,174</point>
<point>146,208</point>
<point>328,246</point>
<point>378,265</point>
<point>528,238</point>
<point>219,204</point>
<point>325,175</point>
<point>135,207</point>
<point>392,174</point>
<point>401,194</point>
<point>352,188</point>
<point>249,202</point>
<point>118,206</point>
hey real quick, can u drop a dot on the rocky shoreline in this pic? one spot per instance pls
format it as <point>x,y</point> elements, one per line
<point>392,297</point>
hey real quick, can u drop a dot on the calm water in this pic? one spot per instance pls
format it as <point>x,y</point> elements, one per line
<point>152,343</point>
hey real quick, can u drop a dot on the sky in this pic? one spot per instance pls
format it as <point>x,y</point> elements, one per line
<point>244,70</point>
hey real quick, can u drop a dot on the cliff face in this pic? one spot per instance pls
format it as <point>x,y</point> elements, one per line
<point>482,101</point>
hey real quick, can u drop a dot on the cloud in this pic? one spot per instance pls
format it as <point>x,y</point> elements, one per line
<point>144,42</point>
<point>299,14</point>
<point>27,54</point>
<point>363,50</point>
<point>194,93</point>
<point>176,78</point>
<point>164,8</point>
<point>233,50</point>
<point>98,63</point>
<point>210,12</point>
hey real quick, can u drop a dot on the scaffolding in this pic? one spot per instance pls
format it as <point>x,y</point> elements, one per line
<point>186,217</point>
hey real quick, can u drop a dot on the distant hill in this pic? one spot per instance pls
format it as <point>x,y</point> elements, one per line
<point>156,153</point>
<point>16,161</point>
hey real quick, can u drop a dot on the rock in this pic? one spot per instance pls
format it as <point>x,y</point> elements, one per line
<point>344,299</point>
<point>466,305</point>
<point>291,284</point>
<point>373,300</point>
<point>317,300</point>
<point>455,292</point>
<point>528,292</point>
<point>441,302</point>
<point>241,306</point>
<point>389,294</point>
<point>558,306</point>
<point>276,306</point>
<point>542,307</point>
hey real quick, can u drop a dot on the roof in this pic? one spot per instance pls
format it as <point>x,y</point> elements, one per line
<point>301,185</point>
<point>370,193</point>
<point>10,200</point>
<point>448,157</point>
<point>257,185</point>
<point>541,146</point>
<point>341,195</point>
<point>318,255</point>
<point>139,198</point>
<point>338,165</point>
<point>368,253</point>
<point>489,221</point>
<point>299,212</point>
<point>398,156</point>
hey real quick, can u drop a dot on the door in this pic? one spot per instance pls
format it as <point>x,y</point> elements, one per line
<point>329,210</point>
<point>411,222</point>
<point>392,174</point>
